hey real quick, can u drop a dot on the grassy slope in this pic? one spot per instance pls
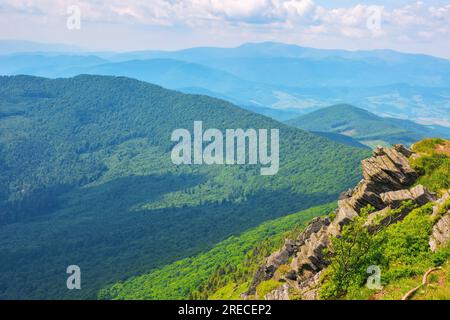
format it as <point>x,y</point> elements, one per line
<point>438,287</point>
<point>180,279</point>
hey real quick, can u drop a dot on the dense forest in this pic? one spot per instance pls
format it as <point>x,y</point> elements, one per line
<point>86,179</point>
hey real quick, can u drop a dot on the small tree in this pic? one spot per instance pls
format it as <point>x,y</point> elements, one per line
<point>349,254</point>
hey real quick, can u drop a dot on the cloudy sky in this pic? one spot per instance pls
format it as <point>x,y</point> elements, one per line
<point>409,26</point>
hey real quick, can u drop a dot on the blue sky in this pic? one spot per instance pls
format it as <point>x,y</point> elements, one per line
<point>123,25</point>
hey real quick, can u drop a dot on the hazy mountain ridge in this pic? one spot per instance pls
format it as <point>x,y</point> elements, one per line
<point>283,77</point>
<point>364,126</point>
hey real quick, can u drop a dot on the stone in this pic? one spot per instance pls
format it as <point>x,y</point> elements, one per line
<point>310,258</point>
<point>267,270</point>
<point>365,193</point>
<point>401,148</point>
<point>314,226</point>
<point>441,232</point>
<point>281,293</point>
<point>419,195</point>
<point>309,290</point>
<point>388,168</point>
<point>439,203</point>
<point>346,194</point>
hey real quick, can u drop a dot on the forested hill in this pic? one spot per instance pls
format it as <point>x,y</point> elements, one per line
<point>86,178</point>
<point>365,126</point>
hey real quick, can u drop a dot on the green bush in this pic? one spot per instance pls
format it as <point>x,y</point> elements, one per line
<point>350,256</point>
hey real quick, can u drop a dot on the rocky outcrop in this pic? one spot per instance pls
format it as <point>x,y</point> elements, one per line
<point>387,176</point>
<point>281,293</point>
<point>419,195</point>
<point>309,289</point>
<point>310,259</point>
<point>441,231</point>
<point>272,263</point>
<point>267,270</point>
<point>313,227</point>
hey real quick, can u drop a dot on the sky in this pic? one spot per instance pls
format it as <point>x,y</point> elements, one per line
<point>126,25</point>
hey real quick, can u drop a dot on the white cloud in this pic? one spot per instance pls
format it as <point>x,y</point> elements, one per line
<point>147,12</point>
<point>248,19</point>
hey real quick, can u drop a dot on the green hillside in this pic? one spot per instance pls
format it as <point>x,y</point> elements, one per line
<point>341,139</point>
<point>198,276</point>
<point>363,126</point>
<point>87,179</point>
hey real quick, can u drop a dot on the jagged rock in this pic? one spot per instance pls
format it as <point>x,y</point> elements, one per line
<point>439,202</point>
<point>314,226</point>
<point>419,195</point>
<point>309,289</point>
<point>403,164</point>
<point>401,148</point>
<point>385,218</point>
<point>394,199</point>
<point>386,176</point>
<point>378,151</point>
<point>388,168</point>
<point>441,232</point>
<point>281,293</point>
<point>282,256</point>
<point>310,258</point>
<point>346,194</point>
<point>344,215</point>
<point>365,193</point>
<point>267,270</point>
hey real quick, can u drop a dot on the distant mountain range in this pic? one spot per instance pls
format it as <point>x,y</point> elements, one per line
<point>365,127</point>
<point>263,77</point>
<point>22,46</point>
